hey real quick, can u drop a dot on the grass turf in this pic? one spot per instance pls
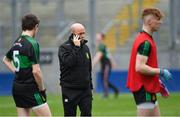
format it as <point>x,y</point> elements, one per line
<point>122,106</point>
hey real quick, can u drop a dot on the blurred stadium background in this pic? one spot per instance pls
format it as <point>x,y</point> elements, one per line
<point>118,19</point>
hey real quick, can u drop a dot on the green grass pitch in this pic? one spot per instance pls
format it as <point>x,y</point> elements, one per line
<point>122,106</point>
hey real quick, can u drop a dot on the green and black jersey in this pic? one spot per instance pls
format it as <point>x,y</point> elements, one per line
<point>144,48</point>
<point>24,53</point>
<point>102,48</point>
<point>106,57</point>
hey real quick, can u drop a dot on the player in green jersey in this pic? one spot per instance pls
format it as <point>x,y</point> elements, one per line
<point>23,60</point>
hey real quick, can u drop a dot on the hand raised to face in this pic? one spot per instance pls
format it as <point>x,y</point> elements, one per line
<point>76,40</point>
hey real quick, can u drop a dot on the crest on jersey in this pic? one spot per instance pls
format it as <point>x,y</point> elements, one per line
<point>87,55</point>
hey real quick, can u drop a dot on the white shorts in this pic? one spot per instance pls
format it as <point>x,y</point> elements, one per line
<point>147,105</point>
<point>39,106</point>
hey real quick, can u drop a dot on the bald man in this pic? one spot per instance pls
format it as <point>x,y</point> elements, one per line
<point>143,75</point>
<point>75,73</point>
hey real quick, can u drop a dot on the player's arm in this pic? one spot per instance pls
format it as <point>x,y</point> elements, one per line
<point>143,68</point>
<point>38,76</point>
<point>142,58</point>
<point>90,69</point>
<point>33,55</point>
<point>68,55</point>
<point>98,55</point>
<point>97,58</point>
<point>9,64</point>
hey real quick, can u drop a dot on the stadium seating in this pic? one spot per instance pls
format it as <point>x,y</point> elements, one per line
<point>124,26</point>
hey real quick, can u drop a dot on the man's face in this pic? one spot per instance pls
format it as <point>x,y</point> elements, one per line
<point>36,30</point>
<point>98,37</point>
<point>80,32</point>
<point>155,23</point>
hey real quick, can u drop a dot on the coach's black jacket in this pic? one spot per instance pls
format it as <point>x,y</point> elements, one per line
<point>75,65</point>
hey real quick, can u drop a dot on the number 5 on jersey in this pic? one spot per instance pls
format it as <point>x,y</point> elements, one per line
<point>16,60</point>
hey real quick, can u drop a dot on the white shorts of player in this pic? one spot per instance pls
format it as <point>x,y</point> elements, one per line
<point>35,107</point>
<point>147,105</point>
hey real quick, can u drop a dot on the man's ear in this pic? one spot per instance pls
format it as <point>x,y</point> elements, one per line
<point>37,25</point>
<point>148,21</point>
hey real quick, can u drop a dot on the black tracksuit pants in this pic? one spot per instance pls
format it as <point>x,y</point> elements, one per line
<point>105,73</point>
<point>77,97</point>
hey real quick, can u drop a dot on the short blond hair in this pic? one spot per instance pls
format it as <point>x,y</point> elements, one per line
<point>152,11</point>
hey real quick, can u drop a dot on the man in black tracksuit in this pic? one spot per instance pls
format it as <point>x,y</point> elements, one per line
<point>75,77</point>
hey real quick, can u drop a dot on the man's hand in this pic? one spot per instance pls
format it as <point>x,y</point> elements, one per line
<point>43,95</point>
<point>8,63</point>
<point>165,74</point>
<point>164,91</point>
<point>76,40</point>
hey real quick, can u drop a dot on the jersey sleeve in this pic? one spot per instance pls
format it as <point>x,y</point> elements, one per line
<point>144,48</point>
<point>34,53</point>
<point>9,54</point>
